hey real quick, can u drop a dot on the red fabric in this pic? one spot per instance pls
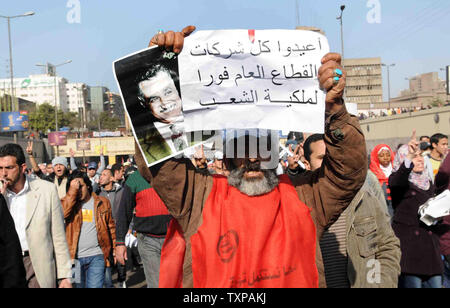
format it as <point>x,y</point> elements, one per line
<point>148,203</point>
<point>172,257</point>
<point>251,35</point>
<point>375,164</point>
<point>263,242</point>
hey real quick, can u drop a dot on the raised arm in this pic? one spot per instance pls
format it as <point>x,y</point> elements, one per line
<point>34,165</point>
<point>176,180</point>
<point>102,165</point>
<point>330,189</point>
<point>178,184</point>
<point>73,165</point>
<point>70,199</point>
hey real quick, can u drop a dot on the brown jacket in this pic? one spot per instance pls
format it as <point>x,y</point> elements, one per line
<point>327,191</point>
<point>104,222</point>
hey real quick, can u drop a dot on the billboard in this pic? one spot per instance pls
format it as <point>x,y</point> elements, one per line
<point>16,121</point>
<point>57,138</point>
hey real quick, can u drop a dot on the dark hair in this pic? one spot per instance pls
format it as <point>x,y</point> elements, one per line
<point>151,72</point>
<point>110,171</point>
<point>421,137</point>
<point>436,138</point>
<point>76,174</point>
<point>15,150</point>
<point>115,167</point>
<point>295,136</point>
<point>307,145</point>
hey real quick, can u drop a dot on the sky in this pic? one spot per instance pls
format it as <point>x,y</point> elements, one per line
<point>413,34</point>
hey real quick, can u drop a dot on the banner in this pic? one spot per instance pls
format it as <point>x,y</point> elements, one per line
<point>106,134</point>
<point>14,121</point>
<point>83,145</point>
<point>253,79</point>
<point>57,138</point>
<point>111,147</point>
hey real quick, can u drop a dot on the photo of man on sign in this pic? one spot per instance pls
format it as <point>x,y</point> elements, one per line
<point>159,94</point>
<point>148,81</point>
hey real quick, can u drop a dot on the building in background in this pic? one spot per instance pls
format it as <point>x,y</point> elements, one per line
<point>97,97</point>
<point>39,89</point>
<point>24,105</point>
<point>77,95</point>
<point>114,107</point>
<point>364,82</point>
<point>424,90</point>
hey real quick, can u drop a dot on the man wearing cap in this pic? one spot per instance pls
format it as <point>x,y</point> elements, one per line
<point>254,229</point>
<point>58,177</point>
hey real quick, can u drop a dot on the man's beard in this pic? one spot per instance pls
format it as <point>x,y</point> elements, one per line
<point>253,187</point>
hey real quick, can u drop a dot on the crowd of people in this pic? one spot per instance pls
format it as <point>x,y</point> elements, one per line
<point>392,111</point>
<point>328,215</point>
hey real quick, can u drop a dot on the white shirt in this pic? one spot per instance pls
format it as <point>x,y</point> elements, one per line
<point>166,132</point>
<point>17,205</point>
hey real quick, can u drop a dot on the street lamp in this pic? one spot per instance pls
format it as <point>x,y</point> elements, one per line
<point>56,101</point>
<point>13,107</point>
<point>389,82</point>
<point>10,53</point>
<point>447,81</point>
<point>342,31</point>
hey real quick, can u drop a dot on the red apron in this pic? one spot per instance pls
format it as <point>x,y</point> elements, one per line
<point>266,241</point>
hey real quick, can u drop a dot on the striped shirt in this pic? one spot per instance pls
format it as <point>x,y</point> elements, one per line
<point>334,253</point>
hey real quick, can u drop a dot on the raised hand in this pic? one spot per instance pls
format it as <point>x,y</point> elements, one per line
<point>296,157</point>
<point>171,41</point>
<point>29,148</point>
<point>413,146</point>
<point>327,74</point>
<point>75,185</point>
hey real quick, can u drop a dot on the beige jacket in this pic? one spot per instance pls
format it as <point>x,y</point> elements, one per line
<point>45,233</point>
<point>372,247</point>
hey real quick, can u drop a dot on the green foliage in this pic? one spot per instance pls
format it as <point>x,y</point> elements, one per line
<point>43,119</point>
<point>104,121</point>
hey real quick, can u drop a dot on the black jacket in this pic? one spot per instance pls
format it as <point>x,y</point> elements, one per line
<point>418,242</point>
<point>12,271</point>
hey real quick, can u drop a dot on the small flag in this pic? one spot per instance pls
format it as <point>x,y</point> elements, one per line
<point>251,35</point>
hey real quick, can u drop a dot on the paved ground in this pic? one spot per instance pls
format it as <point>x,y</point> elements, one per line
<point>135,279</point>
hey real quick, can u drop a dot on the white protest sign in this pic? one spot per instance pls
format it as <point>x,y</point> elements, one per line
<point>253,79</point>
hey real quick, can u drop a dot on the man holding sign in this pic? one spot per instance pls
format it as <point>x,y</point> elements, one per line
<point>254,229</point>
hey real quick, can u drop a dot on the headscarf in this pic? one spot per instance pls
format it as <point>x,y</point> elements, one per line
<point>375,166</point>
<point>421,180</point>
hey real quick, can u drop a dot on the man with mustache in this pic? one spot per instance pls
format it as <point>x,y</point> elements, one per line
<point>36,209</point>
<point>254,229</point>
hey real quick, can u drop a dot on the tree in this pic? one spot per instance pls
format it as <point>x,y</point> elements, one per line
<point>109,122</point>
<point>43,119</point>
<point>104,121</point>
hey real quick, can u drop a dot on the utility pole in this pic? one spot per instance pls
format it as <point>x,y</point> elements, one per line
<point>13,101</point>
<point>340,18</point>
<point>389,82</point>
<point>56,99</point>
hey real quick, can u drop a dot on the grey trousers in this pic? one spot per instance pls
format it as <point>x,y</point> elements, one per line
<point>150,251</point>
